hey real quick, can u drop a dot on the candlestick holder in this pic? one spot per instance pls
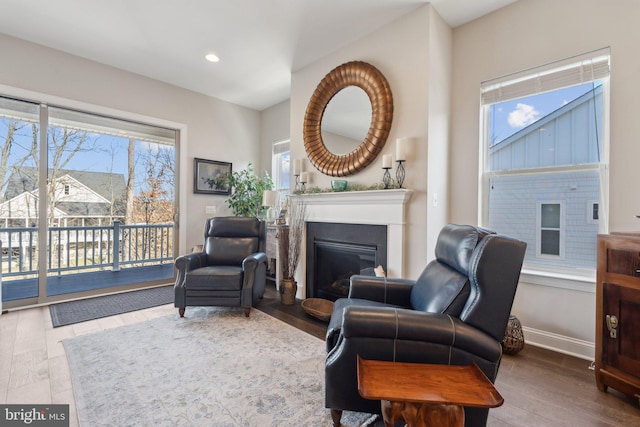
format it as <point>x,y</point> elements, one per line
<point>296,188</point>
<point>386,178</point>
<point>304,178</point>
<point>400,172</point>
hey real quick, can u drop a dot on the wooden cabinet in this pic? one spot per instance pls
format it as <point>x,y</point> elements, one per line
<point>618,313</point>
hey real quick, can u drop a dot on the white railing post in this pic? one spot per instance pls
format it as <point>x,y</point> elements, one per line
<point>116,245</point>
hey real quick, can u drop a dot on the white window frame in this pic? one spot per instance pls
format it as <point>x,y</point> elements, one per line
<point>278,148</point>
<point>540,229</point>
<point>588,67</point>
<point>590,218</point>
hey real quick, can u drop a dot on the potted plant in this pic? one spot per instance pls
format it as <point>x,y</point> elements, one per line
<point>293,245</point>
<point>246,192</point>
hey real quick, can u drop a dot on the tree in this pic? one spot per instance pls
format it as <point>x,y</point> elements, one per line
<point>14,155</point>
<point>131,174</point>
<point>246,195</point>
<point>154,203</point>
<point>64,144</point>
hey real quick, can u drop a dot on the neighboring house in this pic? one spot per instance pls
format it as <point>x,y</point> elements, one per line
<point>554,209</point>
<point>80,198</point>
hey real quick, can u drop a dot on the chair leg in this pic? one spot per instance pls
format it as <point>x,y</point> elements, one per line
<point>247,310</point>
<point>181,311</point>
<point>336,416</point>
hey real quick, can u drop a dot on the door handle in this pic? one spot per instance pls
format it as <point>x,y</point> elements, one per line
<point>612,324</point>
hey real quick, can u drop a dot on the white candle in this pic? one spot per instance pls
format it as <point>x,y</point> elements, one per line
<point>304,177</point>
<point>296,167</point>
<point>387,160</point>
<point>401,149</point>
<point>301,165</point>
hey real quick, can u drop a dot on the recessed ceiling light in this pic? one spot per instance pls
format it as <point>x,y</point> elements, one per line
<point>212,57</point>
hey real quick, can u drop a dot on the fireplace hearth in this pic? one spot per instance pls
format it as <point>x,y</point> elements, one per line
<point>336,251</point>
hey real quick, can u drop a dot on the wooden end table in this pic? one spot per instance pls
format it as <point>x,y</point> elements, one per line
<point>425,394</point>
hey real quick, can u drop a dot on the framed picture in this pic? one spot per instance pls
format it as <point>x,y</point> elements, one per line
<point>210,176</point>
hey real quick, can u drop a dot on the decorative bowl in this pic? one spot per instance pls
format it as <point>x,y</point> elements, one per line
<point>338,184</point>
<point>318,307</point>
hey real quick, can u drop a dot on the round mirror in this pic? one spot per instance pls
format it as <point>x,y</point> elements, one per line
<point>346,120</point>
<point>347,160</point>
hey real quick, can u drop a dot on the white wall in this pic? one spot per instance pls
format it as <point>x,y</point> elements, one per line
<point>401,52</point>
<point>211,129</point>
<point>274,126</point>
<point>526,34</point>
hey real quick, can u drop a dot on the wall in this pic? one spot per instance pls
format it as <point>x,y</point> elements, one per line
<point>401,51</point>
<point>274,127</point>
<point>526,34</point>
<point>209,127</point>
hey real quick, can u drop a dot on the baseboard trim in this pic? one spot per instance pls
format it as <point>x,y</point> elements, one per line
<point>559,343</point>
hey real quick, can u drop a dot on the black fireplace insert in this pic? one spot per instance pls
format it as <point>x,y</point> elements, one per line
<point>336,251</point>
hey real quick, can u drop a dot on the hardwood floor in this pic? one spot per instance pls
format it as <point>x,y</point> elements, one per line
<point>540,387</point>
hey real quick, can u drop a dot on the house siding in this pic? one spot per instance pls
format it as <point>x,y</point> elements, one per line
<point>513,208</point>
<point>567,136</point>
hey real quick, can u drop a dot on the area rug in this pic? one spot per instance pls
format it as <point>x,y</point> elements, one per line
<point>67,313</point>
<point>214,367</point>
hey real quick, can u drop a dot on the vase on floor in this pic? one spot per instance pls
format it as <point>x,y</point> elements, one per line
<point>288,289</point>
<point>513,341</point>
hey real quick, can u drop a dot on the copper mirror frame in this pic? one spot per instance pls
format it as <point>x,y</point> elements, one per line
<point>369,79</point>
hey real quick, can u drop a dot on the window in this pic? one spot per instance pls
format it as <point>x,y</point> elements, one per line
<point>544,160</point>
<point>592,212</point>
<point>280,162</point>
<point>550,240</point>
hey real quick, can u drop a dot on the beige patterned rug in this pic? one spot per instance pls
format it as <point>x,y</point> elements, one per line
<point>213,368</point>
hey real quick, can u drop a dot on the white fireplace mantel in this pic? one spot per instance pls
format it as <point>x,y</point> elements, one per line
<point>376,207</point>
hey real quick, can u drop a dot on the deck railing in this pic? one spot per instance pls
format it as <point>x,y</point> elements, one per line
<point>74,249</point>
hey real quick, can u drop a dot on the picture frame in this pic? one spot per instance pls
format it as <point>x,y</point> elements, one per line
<point>209,176</point>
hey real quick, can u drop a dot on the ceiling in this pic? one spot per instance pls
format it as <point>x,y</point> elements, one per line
<point>259,42</point>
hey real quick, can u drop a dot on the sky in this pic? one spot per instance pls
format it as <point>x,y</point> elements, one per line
<point>101,153</point>
<point>507,118</point>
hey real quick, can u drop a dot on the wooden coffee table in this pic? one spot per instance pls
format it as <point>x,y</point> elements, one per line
<point>425,394</point>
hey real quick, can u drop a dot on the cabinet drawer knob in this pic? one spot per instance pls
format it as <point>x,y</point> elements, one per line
<point>612,324</point>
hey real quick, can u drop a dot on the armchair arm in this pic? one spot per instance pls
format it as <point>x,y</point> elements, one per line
<point>254,278</point>
<point>191,261</point>
<point>183,264</point>
<point>382,289</point>
<point>407,326</point>
<point>250,264</point>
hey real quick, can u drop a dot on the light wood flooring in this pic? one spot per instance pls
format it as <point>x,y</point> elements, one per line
<point>540,387</point>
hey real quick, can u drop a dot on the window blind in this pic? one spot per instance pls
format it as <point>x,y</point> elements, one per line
<point>584,68</point>
<point>29,112</point>
<point>280,147</point>
<point>110,126</point>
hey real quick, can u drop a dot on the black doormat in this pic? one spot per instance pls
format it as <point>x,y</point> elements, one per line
<point>67,313</point>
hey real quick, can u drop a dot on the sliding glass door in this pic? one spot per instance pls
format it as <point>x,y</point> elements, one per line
<point>19,207</point>
<point>107,196</point>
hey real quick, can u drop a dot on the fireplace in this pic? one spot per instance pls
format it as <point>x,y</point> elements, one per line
<point>336,251</point>
<point>383,209</point>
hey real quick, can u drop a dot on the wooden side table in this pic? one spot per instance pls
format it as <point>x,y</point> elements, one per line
<point>425,394</point>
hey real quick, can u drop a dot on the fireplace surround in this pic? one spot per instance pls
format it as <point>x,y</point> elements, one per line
<point>376,207</point>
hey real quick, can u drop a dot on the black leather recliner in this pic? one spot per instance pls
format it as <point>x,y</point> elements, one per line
<point>455,313</point>
<point>231,269</point>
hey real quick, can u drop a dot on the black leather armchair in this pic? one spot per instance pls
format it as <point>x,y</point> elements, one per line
<point>455,313</point>
<point>230,270</point>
